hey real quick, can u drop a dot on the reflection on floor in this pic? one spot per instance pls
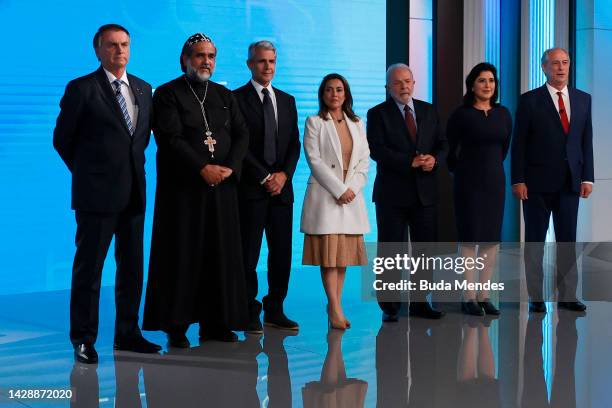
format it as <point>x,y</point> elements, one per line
<point>560,359</point>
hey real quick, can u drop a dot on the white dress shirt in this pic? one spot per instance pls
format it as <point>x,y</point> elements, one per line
<point>258,88</point>
<point>566,100</point>
<point>127,93</point>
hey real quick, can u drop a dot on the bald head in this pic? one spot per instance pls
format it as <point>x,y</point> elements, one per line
<point>556,66</point>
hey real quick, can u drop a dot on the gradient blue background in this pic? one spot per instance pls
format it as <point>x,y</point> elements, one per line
<point>46,45</point>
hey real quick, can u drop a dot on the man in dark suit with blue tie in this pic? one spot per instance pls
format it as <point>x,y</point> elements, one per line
<point>266,190</point>
<point>552,167</point>
<point>101,134</point>
<point>408,146</point>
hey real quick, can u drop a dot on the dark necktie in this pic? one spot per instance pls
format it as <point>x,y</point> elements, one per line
<point>123,105</point>
<point>410,124</point>
<point>269,128</point>
<point>563,114</point>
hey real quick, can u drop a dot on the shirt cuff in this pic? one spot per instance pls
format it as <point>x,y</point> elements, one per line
<point>262,182</point>
<point>587,182</point>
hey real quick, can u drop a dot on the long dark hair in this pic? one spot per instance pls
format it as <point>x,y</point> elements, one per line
<point>469,97</point>
<point>347,106</point>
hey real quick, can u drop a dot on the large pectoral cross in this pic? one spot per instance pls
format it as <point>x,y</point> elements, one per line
<point>210,142</point>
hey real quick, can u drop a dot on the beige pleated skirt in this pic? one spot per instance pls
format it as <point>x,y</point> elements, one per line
<point>334,250</point>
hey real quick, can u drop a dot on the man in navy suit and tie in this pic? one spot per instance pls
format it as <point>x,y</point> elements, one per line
<point>552,167</point>
<point>266,190</point>
<point>101,134</point>
<point>408,146</point>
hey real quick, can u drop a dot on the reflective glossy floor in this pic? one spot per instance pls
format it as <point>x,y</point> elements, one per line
<point>560,359</point>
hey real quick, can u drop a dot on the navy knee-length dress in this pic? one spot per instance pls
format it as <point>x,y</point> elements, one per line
<point>479,143</point>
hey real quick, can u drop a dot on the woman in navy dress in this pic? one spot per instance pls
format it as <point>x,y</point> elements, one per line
<point>479,136</point>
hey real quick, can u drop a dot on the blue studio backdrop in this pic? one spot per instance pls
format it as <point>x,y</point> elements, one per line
<point>48,44</point>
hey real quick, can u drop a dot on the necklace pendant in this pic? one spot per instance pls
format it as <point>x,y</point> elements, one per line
<point>210,142</point>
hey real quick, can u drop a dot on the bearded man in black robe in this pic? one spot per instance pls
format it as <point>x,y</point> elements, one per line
<point>195,270</point>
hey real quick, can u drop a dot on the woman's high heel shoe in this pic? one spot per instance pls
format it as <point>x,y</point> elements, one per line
<point>488,307</point>
<point>339,324</point>
<point>471,307</point>
<point>336,325</point>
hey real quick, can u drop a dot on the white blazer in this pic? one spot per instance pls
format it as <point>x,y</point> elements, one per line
<point>320,213</point>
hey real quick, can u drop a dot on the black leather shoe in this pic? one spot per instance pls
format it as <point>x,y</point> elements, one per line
<point>488,307</point>
<point>424,310</point>
<point>537,307</point>
<point>280,321</point>
<point>389,317</point>
<point>254,327</point>
<point>136,344</point>
<point>178,340</point>
<point>85,353</point>
<point>224,335</point>
<point>576,306</point>
<point>471,307</point>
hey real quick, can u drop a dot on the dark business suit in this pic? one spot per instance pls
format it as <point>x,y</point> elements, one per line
<point>404,196</point>
<point>259,211</point>
<point>552,165</point>
<point>108,196</point>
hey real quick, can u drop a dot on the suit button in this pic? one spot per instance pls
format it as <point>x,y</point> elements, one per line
<point>333,166</point>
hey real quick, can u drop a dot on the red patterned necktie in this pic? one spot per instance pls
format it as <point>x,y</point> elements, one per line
<point>563,114</point>
<point>410,124</point>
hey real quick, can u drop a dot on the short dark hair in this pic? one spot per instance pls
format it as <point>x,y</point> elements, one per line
<point>469,98</point>
<point>347,106</point>
<point>107,27</point>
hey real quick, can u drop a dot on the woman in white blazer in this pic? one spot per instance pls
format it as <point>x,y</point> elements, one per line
<point>334,216</point>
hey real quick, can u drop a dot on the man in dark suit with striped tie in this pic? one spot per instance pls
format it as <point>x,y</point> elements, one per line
<point>101,134</point>
<point>552,168</point>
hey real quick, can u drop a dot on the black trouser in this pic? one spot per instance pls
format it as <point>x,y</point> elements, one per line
<point>563,389</point>
<point>394,223</point>
<point>275,218</point>
<point>536,211</point>
<point>93,237</point>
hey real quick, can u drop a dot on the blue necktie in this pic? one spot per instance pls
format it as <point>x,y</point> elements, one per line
<point>123,105</point>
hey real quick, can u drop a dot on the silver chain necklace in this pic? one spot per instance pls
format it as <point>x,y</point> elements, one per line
<point>208,139</point>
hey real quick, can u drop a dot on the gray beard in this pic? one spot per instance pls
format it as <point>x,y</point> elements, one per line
<point>195,75</point>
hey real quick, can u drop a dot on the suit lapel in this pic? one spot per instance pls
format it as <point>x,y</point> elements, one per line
<point>575,109</point>
<point>419,113</point>
<point>549,105</point>
<point>398,123</point>
<point>354,132</point>
<point>253,100</point>
<point>334,138</point>
<point>106,91</point>
<point>281,110</point>
<point>138,99</point>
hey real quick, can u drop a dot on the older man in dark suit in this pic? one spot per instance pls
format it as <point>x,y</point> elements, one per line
<point>266,190</point>
<point>101,134</point>
<point>552,167</point>
<point>408,146</point>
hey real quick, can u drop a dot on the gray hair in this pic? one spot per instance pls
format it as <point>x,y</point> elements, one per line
<point>264,44</point>
<point>544,59</point>
<point>398,65</point>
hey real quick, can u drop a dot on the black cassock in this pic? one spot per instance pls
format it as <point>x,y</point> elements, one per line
<point>195,268</point>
